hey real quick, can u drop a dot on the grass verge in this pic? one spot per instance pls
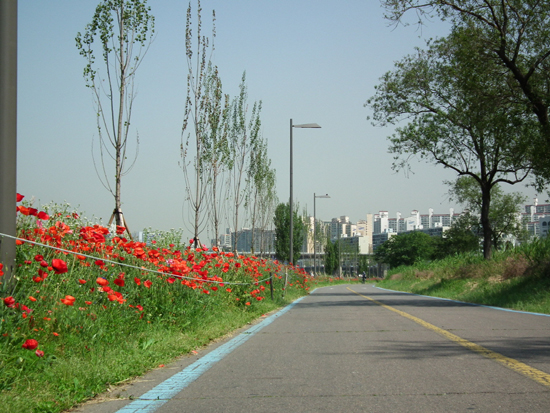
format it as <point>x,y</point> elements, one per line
<point>517,279</point>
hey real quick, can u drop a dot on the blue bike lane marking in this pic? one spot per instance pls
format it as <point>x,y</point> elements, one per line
<point>162,393</point>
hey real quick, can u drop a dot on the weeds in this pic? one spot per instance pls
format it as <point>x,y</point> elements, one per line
<point>517,278</point>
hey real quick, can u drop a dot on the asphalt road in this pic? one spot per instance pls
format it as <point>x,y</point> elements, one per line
<point>358,348</point>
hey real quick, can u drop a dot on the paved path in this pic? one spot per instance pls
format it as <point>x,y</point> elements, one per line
<point>357,348</point>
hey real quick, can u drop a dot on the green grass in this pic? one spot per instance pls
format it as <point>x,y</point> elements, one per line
<point>516,279</point>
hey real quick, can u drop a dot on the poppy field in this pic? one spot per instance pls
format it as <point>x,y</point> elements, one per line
<point>87,308</point>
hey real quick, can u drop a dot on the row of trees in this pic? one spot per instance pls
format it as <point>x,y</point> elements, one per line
<point>226,168</point>
<point>476,101</point>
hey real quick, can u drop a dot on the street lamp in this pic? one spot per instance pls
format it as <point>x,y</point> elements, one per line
<point>305,125</point>
<point>314,231</point>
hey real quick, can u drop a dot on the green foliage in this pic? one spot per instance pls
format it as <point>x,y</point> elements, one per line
<point>124,30</point>
<point>515,37</point>
<point>518,279</point>
<point>458,116</point>
<point>503,211</point>
<point>245,143</point>
<point>332,256</point>
<point>87,315</point>
<point>461,237</point>
<point>164,239</point>
<point>406,249</point>
<point>282,233</point>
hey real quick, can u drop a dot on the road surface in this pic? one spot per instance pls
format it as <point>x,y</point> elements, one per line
<point>358,348</point>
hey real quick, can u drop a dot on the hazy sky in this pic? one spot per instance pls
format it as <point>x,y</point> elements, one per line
<point>309,60</point>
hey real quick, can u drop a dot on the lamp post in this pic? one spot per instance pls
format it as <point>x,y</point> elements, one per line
<point>8,136</point>
<point>304,125</point>
<point>315,231</point>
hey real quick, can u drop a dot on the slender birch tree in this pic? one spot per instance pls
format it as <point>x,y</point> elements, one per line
<point>197,127</point>
<point>217,156</point>
<point>245,131</point>
<point>124,30</point>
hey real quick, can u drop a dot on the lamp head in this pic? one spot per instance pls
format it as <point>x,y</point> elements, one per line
<point>306,125</point>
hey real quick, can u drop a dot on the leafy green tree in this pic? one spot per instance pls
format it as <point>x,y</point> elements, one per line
<point>332,259</point>
<point>458,117</point>
<point>503,214</point>
<point>281,221</point>
<point>462,237</point>
<point>515,36</point>
<point>123,29</point>
<point>364,262</point>
<point>406,249</point>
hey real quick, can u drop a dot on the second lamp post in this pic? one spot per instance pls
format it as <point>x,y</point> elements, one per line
<point>315,232</point>
<point>305,125</point>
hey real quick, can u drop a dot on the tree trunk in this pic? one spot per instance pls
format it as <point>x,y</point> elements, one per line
<point>485,223</point>
<point>120,126</point>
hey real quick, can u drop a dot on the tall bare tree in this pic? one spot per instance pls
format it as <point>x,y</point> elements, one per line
<point>217,160</point>
<point>196,144</point>
<point>261,180</point>
<point>245,132</point>
<point>124,30</point>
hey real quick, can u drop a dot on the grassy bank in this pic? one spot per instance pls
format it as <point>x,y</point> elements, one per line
<point>87,309</point>
<point>518,278</point>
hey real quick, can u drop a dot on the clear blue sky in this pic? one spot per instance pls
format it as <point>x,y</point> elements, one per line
<point>309,60</point>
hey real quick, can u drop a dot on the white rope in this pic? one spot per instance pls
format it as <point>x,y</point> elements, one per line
<point>128,265</point>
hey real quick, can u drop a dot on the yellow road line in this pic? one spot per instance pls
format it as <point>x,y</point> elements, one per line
<point>522,368</point>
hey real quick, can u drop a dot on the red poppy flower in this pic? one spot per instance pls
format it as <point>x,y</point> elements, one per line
<point>30,344</point>
<point>147,283</point>
<point>137,280</point>
<point>37,279</point>
<point>38,257</point>
<point>102,281</point>
<point>32,298</point>
<point>1,267</point>
<point>81,281</point>
<point>68,300</point>
<point>19,197</point>
<point>59,266</point>
<point>43,216</point>
<point>247,303</point>
<point>119,282</point>
<point>99,263</point>
<point>39,353</point>
<point>9,301</point>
